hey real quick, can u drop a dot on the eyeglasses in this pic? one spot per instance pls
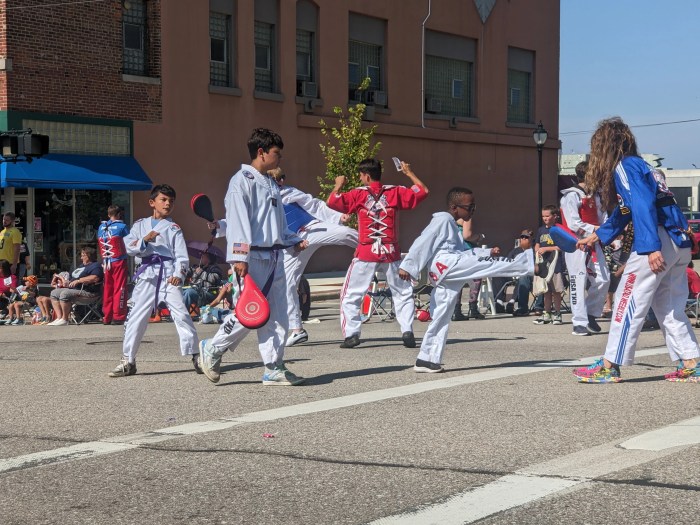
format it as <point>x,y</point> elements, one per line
<point>467,207</point>
<point>524,236</point>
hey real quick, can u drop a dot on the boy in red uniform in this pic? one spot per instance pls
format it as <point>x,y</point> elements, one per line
<point>376,206</point>
<point>110,237</point>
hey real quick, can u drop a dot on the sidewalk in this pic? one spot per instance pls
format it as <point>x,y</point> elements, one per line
<point>326,285</point>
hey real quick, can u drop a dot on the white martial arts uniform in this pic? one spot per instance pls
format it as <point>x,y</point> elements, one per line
<point>582,268</point>
<point>440,247</point>
<point>317,224</point>
<point>256,233</point>
<point>152,285</point>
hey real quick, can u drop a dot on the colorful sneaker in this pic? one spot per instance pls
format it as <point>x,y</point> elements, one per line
<point>556,318</point>
<point>209,364</point>
<point>545,318</point>
<point>280,376</point>
<point>684,375</point>
<point>604,375</point>
<point>588,371</point>
<point>123,369</point>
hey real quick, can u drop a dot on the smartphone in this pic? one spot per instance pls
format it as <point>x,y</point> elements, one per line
<point>397,163</point>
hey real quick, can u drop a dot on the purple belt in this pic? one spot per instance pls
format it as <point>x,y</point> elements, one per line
<point>152,260</point>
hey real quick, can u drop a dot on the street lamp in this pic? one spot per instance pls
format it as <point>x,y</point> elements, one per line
<point>540,137</point>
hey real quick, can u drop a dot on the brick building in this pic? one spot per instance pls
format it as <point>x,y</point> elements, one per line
<point>457,87</point>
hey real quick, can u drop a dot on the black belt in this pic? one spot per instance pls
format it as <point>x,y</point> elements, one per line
<point>268,248</point>
<point>665,201</point>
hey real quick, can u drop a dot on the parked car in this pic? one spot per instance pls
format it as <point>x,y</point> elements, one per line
<point>694,225</point>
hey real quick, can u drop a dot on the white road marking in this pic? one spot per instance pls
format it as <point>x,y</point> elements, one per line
<point>127,442</point>
<point>684,433</point>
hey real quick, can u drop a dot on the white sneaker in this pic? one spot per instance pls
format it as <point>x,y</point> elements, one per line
<point>58,322</point>
<point>297,337</point>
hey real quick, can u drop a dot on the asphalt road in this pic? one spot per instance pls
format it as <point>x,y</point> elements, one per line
<point>506,435</point>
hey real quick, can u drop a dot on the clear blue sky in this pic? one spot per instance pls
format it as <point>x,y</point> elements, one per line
<point>639,59</point>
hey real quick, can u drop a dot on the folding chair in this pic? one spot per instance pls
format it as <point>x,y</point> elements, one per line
<point>376,300</point>
<point>422,288</point>
<point>86,309</point>
<point>692,309</point>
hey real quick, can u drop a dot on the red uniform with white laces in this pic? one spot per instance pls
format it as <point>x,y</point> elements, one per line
<point>378,249</point>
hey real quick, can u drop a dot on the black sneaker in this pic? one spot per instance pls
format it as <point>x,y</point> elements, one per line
<point>521,313</point>
<point>580,330</point>
<point>593,325</point>
<point>409,341</point>
<point>459,316</point>
<point>509,308</point>
<point>426,367</point>
<point>350,342</point>
<point>195,363</point>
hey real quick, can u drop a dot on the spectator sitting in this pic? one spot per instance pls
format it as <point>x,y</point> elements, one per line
<point>693,281</point>
<point>523,285</point>
<point>24,295</point>
<point>8,283</point>
<point>202,279</point>
<point>87,285</point>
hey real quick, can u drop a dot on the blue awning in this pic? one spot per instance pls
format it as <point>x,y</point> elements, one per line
<point>85,172</point>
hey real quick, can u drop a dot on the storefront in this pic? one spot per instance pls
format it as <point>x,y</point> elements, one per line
<point>59,201</point>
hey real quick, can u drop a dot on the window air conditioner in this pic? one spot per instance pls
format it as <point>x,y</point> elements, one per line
<point>309,89</point>
<point>378,98</point>
<point>433,105</point>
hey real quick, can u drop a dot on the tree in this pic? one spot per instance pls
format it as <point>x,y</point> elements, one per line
<point>346,145</point>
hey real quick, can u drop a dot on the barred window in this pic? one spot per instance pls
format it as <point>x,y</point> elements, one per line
<point>367,38</point>
<point>83,139</point>
<point>220,71</point>
<point>305,55</point>
<point>134,38</point>
<point>264,57</point>
<point>365,60</point>
<point>448,86</point>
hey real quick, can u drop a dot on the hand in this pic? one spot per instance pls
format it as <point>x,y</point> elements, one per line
<point>151,236</point>
<point>495,251</point>
<point>656,262</point>
<point>74,283</point>
<point>344,218</point>
<point>301,246</point>
<point>403,274</point>
<point>405,167</point>
<point>587,242</point>
<point>213,225</point>
<point>542,251</point>
<point>339,183</point>
<point>241,269</point>
<point>175,281</point>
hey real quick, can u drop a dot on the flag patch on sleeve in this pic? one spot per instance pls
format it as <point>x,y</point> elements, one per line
<point>240,248</point>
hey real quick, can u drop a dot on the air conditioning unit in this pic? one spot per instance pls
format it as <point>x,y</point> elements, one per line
<point>309,89</point>
<point>433,105</point>
<point>378,98</point>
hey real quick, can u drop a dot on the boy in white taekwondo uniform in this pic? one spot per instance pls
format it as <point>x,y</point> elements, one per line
<point>256,233</point>
<point>160,245</point>
<point>316,223</point>
<point>582,214</point>
<point>441,247</point>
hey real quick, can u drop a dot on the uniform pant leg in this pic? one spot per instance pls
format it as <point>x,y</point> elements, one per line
<point>120,272</point>
<point>107,296</point>
<point>357,281</point>
<point>272,336</point>
<point>294,264</point>
<point>576,264</point>
<point>137,320</point>
<point>669,307</point>
<point>472,266</point>
<point>179,313</point>
<point>598,289</point>
<point>402,296</point>
<point>442,303</point>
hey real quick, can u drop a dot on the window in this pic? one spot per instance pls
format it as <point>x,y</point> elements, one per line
<point>520,93</point>
<point>366,59</point>
<point>307,19</point>
<point>220,63</point>
<point>134,38</point>
<point>449,74</point>
<point>266,12</point>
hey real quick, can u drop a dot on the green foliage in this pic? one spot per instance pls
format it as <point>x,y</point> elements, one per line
<point>346,145</point>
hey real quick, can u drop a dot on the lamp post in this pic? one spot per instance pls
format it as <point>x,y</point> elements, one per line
<point>540,137</point>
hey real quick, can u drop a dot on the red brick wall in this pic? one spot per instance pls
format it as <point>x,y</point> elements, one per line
<point>67,60</point>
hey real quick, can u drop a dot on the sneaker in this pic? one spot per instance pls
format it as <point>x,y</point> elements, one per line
<point>545,318</point>
<point>58,322</point>
<point>350,342</point>
<point>195,363</point>
<point>409,340</point>
<point>587,371</point>
<point>7,320</point>
<point>426,367</point>
<point>459,316</point>
<point>684,375</point>
<point>556,318</point>
<point>580,330</point>
<point>123,369</point>
<point>210,365</point>
<point>17,322</point>
<point>44,321</point>
<point>604,375</point>
<point>521,312</point>
<point>510,308</point>
<point>593,325</point>
<point>280,376</point>
<point>297,337</point>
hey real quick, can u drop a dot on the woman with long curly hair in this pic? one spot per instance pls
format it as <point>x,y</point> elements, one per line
<point>655,272</point>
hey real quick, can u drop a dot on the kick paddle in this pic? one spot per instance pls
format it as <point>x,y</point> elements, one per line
<point>252,309</point>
